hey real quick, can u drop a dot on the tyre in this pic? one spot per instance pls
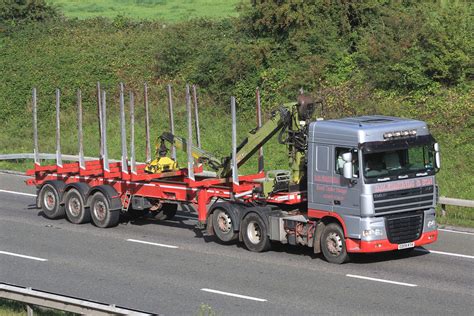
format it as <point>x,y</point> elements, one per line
<point>167,211</point>
<point>254,233</point>
<point>223,225</point>
<point>100,211</point>
<point>50,202</point>
<point>333,244</point>
<point>76,212</point>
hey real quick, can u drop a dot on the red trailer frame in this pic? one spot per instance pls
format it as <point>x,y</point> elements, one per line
<point>170,186</point>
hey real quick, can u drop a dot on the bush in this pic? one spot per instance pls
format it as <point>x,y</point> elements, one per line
<point>14,12</point>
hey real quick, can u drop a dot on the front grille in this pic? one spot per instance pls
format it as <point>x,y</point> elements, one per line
<point>404,227</point>
<point>404,200</point>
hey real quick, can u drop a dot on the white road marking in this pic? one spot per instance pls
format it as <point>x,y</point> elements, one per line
<point>455,231</point>
<point>235,295</point>
<point>445,253</point>
<point>380,280</point>
<point>18,193</point>
<point>152,243</point>
<point>22,256</point>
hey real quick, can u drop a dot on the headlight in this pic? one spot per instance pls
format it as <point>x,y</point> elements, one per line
<point>431,223</point>
<point>372,232</point>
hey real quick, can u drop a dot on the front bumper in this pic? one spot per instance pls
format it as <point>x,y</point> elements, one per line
<point>361,246</point>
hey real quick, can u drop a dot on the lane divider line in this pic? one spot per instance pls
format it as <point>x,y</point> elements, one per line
<point>455,231</point>
<point>380,280</point>
<point>22,256</point>
<point>18,193</point>
<point>445,253</point>
<point>235,295</point>
<point>152,243</point>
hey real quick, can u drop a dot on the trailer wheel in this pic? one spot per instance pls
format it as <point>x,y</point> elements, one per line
<point>167,211</point>
<point>50,202</point>
<point>333,244</point>
<point>223,225</point>
<point>100,211</point>
<point>255,233</point>
<point>76,212</point>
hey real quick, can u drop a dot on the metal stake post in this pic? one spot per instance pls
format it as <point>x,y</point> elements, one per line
<point>171,118</point>
<point>35,129</point>
<point>196,117</point>
<point>104,132</point>
<point>147,124</point>
<point>82,164</point>
<point>189,141</point>
<point>59,161</point>
<point>261,164</point>
<point>235,171</point>
<point>123,131</point>
<point>133,166</point>
<point>99,114</point>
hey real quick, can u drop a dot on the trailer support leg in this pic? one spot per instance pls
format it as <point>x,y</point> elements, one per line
<point>203,200</point>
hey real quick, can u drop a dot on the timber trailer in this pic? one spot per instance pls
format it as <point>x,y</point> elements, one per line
<point>355,185</point>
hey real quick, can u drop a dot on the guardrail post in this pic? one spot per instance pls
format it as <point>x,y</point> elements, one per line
<point>29,310</point>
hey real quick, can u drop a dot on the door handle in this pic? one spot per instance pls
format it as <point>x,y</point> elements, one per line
<point>337,202</point>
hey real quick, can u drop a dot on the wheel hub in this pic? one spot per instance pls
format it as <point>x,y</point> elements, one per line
<point>49,200</point>
<point>74,206</point>
<point>254,232</point>
<point>334,244</point>
<point>99,210</point>
<point>224,222</point>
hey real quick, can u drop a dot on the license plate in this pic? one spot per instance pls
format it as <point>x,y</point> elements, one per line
<point>406,245</point>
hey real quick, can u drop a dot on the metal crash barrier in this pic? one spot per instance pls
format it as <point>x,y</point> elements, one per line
<point>60,302</point>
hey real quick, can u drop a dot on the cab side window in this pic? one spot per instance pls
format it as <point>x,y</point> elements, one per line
<point>339,164</point>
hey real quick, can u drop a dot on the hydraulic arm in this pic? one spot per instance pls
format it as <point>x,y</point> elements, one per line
<point>290,121</point>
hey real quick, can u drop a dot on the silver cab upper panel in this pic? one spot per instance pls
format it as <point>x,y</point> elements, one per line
<point>352,131</point>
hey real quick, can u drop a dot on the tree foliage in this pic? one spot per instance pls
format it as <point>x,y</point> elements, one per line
<point>14,12</point>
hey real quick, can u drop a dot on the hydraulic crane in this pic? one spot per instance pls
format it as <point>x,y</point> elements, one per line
<point>290,121</point>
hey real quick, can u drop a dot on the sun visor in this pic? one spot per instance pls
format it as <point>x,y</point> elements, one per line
<point>396,144</point>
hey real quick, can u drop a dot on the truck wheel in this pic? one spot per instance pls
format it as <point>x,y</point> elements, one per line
<point>333,244</point>
<point>255,233</point>
<point>50,203</point>
<point>167,211</point>
<point>76,212</point>
<point>100,211</point>
<point>223,225</point>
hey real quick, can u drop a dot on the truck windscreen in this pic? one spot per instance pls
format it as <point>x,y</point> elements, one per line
<point>399,164</point>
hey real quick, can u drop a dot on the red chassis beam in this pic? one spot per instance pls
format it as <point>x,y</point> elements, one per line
<point>170,186</point>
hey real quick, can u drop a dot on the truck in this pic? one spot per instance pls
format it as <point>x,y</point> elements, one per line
<point>361,184</point>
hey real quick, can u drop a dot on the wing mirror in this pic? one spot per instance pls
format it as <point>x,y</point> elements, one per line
<point>437,156</point>
<point>347,168</point>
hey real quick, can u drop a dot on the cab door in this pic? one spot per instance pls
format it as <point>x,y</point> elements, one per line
<point>346,193</point>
